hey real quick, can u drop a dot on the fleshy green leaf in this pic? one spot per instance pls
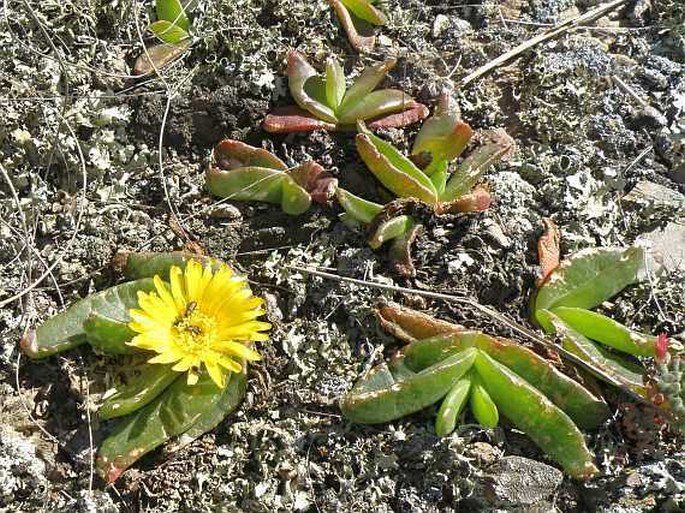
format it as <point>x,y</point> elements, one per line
<point>483,407</point>
<point>230,399</point>
<point>366,82</point>
<point>142,389</point>
<point>452,405</point>
<point>66,330</point>
<point>607,331</point>
<point>171,414</point>
<point>359,42</point>
<point>380,397</point>
<point>173,12</point>
<point>586,409</point>
<point>364,10</point>
<point>147,264</point>
<point>168,32</point>
<point>299,73</point>
<point>335,83</point>
<point>360,209</point>
<point>390,229</point>
<point>373,105</point>
<point>620,370</point>
<point>246,184</point>
<point>232,154</point>
<point>444,135</point>
<point>472,168</point>
<point>394,170</point>
<point>108,335</point>
<point>588,278</point>
<point>531,412</point>
<point>294,199</point>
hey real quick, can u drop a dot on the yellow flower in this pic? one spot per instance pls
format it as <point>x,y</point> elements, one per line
<point>199,317</point>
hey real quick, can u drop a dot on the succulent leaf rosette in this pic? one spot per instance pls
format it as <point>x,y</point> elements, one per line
<point>193,320</point>
<point>241,172</point>
<point>431,189</point>
<point>447,363</point>
<point>328,104</point>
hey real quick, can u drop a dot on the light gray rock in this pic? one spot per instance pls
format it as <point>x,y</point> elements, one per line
<point>669,242</point>
<point>521,483</point>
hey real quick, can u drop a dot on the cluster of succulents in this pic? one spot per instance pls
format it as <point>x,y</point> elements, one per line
<point>200,319</point>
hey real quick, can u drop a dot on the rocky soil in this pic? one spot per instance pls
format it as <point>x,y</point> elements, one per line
<point>599,118</point>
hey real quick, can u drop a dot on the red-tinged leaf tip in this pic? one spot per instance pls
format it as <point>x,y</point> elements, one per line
<point>548,250</point>
<point>290,119</point>
<point>414,112</point>
<point>28,343</point>
<point>231,154</point>
<point>661,347</point>
<point>478,200</point>
<point>360,42</point>
<point>313,178</point>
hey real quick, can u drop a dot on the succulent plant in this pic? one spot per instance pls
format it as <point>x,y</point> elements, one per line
<point>358,17</point>
<point>180,391</point>
<point>327,103</point>
<point>242,172</point>
<point>570,290</point>
<point>497,376</point>
<point>432,190</point>
<point>172,28</point>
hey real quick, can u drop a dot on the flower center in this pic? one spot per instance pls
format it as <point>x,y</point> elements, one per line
<point>194,330</point>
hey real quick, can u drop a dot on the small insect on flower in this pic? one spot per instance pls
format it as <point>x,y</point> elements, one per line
<point>200,317</point>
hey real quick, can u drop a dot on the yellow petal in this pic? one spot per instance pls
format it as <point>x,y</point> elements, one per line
<point>229,364</point>
<point>192,378</point>
<point>217,374</point>
<point>177,290</point>
<point>186,363</point>
<point>164,294</point>
<point>237,349</point>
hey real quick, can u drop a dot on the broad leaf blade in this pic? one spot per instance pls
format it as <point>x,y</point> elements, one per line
<point>335,83</point>
<point>444,135</point>
<point>294,199</point>
<point>173,12</point>
<point>147,264</point>
<point>620,370</point>
<point>232,154</point>
<point>373,105</point>
<point>171,414</point>
<point>586,409</point>
<point>168,32</point>
<point>108,335</point>
<point>366,82</point>
<point>471,169</point>
<point>363,9</point>
<point>530,411</point>
<point>589,277</point>
<point>394,170</point>
<point>483,407</point>
<point>390,229</point>
<point>152,381</point>
<point>387,399</point>
<point>246,184</point>
<point>230,399</point>
<point>66,330</point>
